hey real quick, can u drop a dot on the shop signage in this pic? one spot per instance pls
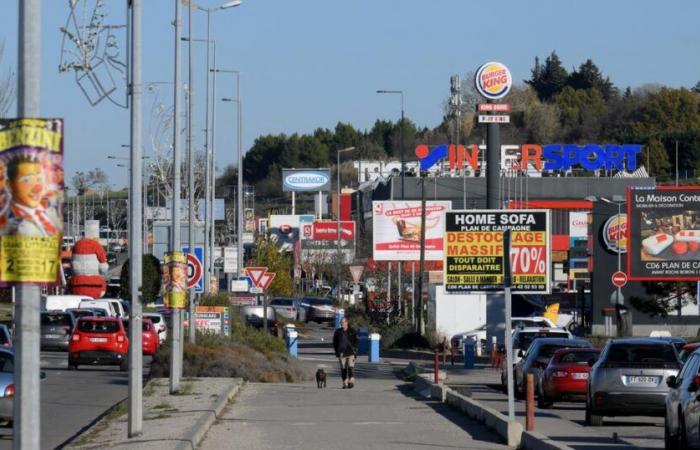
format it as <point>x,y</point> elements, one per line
<point>474,250</point>
<point>304,180</point>
<point>615,233</point>
<point>493,80</point>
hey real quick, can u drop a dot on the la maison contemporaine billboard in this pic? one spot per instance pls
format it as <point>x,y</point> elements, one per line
<point>664,233</point>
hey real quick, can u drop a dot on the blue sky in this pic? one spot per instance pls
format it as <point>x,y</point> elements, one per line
<point>312,63</point>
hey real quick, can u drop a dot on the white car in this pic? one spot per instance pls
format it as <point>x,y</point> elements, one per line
<point>62,302</point>
<point>523,337</point>
<point>158,322</point>
<point>479,334</point>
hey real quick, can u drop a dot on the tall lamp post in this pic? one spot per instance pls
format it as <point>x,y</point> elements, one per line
<point>337,219</point>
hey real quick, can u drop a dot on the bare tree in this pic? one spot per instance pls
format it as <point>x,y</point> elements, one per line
<point>8,86</point>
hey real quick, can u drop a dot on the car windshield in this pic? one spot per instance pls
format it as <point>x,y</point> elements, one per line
<point>578,357</point>
<point>94,326</point>
<point>58,320</point>
<point>154,319</point>
<point>7,363</point>
<point>647,355</point>
<point>525,339</point>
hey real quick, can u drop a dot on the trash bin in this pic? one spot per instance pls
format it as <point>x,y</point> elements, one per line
<point>339,314</point>
<point>290,338</point>
<point>373,356</point>
<point>362,340</point>
<point>468,352</point>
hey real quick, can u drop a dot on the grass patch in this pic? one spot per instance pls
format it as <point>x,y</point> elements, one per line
<point>150,388</point>
<point>185,389</point>
<point>163,405</point>
<point>114,413</point>
<point>158,416</point>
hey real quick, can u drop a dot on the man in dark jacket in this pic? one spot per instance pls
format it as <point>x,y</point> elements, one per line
<point>345,345</point>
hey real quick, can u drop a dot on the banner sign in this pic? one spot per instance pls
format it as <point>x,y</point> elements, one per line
<point>284,229</point>
<point>474,250</point>
<point>175,280</point>
<point>230,260</point>
<point>213,319</point>
<point>306,180</point>
<point>663,233</point>
<point>31,200</point>
<point>249,220</point>
<point>578,225</point>
<point>396,227</point>
<point>319,242</point>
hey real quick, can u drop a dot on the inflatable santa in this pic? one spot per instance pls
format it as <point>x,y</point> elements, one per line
<point>89,266</point>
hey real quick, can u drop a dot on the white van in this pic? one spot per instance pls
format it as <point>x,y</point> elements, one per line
<point>117,306</point>
<point>62,302</point>
<point>99,303</point>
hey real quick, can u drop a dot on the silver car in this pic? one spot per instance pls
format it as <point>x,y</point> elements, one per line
<point>682,424</point>
<point>7,387</point>
<point>629,379</point>
<point>289,308</point>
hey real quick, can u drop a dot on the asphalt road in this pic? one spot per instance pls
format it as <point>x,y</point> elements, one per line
<point>73,400</point>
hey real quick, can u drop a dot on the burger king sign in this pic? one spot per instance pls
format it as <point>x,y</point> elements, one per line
<point>493,80</point>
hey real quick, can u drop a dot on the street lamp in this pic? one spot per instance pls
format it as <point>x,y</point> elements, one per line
<point>337,219</point>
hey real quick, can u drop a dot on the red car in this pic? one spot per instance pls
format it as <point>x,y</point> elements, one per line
<point>566,376</point>
<point>149,339</point>
<point>98,341</point>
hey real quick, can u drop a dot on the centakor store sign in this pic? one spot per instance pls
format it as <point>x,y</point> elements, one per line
<point>304,180</point>
<point>474,250</point>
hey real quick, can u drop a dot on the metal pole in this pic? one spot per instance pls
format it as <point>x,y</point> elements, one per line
<point>176,342</point>
<point>190,170</point>
<point>293,203</point>
<point>212,171</point>
<point>413,293</point>
<point>26,377</point>
<point>399,286</point>
<point>337,224</point>
<point>239,210</point>
<point>403,151</point>
<point>208,246</point>
<point>135,231</point>
<point>676,169</point>
<point>508,330</point>
<point>421,269</point>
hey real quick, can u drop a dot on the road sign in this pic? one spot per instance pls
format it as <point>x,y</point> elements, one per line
<point>247,279</point>
<point>266,280</point>
<point>619,279</point>
<point>195,271</point>
<point>239,286</point>
<point>256,290</point>
<point>494,119</point>
<point>356,272</point>
<point>256,274</point>
<point>493,107</point>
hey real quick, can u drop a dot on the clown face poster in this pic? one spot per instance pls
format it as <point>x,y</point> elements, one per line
<point>175,280</point>
<point>31,200</point>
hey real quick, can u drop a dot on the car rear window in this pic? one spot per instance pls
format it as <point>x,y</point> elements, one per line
<point>154,319</point>
<point>282,302</point>
<point>60,320</point>
<point>578,357</point>
<point>525,339</point>
<point>546,351</point>
<point>144,326</point>
<point>320,302</point>
<point>641,355</point>
<point>94,326</point>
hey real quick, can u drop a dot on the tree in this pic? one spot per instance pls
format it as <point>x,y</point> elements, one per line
<point>150,283</point>
<point>588,76</point>
<point>581,113</point>
<point>548,79</point>
<point>267,255</point>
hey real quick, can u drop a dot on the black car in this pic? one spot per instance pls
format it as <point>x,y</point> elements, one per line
<point>56,329</point>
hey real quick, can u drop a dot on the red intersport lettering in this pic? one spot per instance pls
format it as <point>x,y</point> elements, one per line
<point>531,152</point>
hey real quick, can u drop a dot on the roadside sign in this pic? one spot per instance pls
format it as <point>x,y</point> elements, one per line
<point>239,286</point>
<point>256,274</point>
<point>195,270</point>
<point>266,280</point>
<point>494,118</point>
<point>619,279</point>
<point>256,290</point>
<point>356,272</point>
<point>230,260</point>
<point>493,107</point>
<point>247,279</point>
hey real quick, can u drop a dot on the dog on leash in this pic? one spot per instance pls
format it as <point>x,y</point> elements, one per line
<point>320,378</point>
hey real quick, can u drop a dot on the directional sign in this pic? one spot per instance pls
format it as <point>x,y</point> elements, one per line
<point>195,271</point>
<point>619,279</point>
<point>256,274</point>
<point>256,290</point>
<point>356,272</point>
<point>266,280</point>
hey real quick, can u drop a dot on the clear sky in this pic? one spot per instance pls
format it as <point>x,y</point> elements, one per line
<point>312,63</point>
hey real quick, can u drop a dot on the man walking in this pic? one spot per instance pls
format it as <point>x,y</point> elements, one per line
<point>345,345</point>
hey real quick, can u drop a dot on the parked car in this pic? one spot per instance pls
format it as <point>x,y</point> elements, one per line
<point>117,306</point>
<point>98,341</point>
<point>111,258</point>
<point>114,287</point>
<point>273,326</point>
<point>149,337</point>
<point>251,311</point>
<point>158,321</point>
<point>529,322</point>
<point>99,303</point>
<point>98,312</point>
<point>78,312</point>
<point>5,336</point>
<point>629,379</point>
<point>687,350</point>
<point>61,302</point>
<point>289,308</point>
<point>115,247</point>
<point>7,386</point>
<point>677,342</point>
<point>524,337</point>
<point>56,329</point>
<point>566,376</point>
<point>682,416</point>
<point>537,358</point>
<point>478,335</point>
<point>319,309</point>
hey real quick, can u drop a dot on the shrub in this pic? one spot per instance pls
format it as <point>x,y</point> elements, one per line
<point>150,279</point>
<point>220,299</point>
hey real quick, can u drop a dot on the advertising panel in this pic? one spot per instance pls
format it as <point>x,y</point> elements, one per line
<point>306,180</point>
<point>249,220</point>
<point>174,273</point>
<point>319,241</point>
<point>284,229</point>
<point>230,260</point>
<point>578,225</point>
<point>396,227</point>
<point>213,319</point>
<point>663,234</point>
<point>474,250</point>
<point>493,80</point>
<point>31,200</point>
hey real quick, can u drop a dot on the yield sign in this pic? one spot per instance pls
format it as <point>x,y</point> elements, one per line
<point>266,280</point>
<point>256,274</point>
<point>356,272</point>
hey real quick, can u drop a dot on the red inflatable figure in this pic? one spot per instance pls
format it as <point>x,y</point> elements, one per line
<point>89,266</point>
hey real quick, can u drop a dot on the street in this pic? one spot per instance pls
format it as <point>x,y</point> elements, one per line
<point>72,400</point>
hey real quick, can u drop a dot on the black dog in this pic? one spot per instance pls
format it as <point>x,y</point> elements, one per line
<point>320,378</point>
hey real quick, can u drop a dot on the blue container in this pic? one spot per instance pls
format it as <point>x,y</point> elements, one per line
<point>339,314</point>
<point>468,353</point>
<point>290,338</point>
<point>362,341</point>
<point>373,356</point>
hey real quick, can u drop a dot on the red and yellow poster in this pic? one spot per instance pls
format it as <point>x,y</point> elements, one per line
<point>175,280</point>
<point>31,200</point>
<point>474,250</point>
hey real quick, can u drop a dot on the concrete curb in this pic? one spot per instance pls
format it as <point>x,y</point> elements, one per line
<point>532,440</point>
<point>196,433</point>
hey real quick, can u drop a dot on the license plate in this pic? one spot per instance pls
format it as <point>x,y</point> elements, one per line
<point>638,379</point>
<point>53,336</point>
<point>581,376</point>
<point>98,339</point>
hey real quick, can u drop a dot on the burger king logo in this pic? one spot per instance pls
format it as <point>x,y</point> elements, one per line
<point>493,80</point>
<point>615,233</point>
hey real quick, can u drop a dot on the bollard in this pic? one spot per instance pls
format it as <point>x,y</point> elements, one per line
<point>468,350</point>
<point>339,314</point>
<point>373,355</point>
<point>530,403</point>
<point>436,368</point>
<point>290,337</point>
<point>362,341</point>
<point>494,352</point>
